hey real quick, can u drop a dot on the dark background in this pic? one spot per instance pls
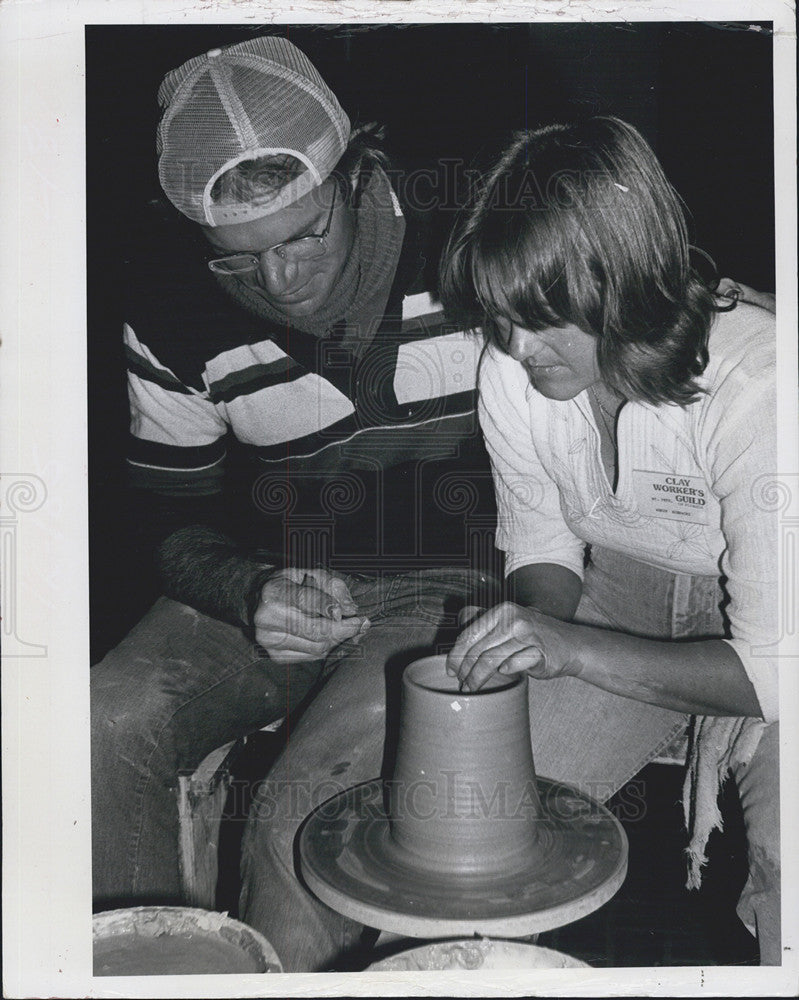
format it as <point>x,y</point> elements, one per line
<point>700,93</point>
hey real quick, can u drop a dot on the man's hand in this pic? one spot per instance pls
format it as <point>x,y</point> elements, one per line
<point>303,614</point>
<point>509,639</point>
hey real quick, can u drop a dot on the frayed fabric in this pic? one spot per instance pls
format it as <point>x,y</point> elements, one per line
<point>717,745</point>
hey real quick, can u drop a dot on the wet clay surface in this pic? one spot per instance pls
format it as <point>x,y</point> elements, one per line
<point>138,955</point>
<point>351,862</point>
<point>463,794</point>
<point>464,839</point>
<point>175,940</point>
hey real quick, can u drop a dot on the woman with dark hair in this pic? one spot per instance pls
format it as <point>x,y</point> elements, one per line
<point>631,422</point>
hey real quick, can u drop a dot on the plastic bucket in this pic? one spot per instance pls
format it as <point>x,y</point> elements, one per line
<point>177,941</point>
<point>475,954</point>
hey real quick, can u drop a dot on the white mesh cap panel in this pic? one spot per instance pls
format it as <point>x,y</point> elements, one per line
<point>251,99</point>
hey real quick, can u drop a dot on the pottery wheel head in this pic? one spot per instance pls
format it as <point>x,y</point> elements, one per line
<point>350,861</point>
<point>464,839</point>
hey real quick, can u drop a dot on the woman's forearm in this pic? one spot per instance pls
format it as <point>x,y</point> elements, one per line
<point>549,587</point>
<point>704,677</point>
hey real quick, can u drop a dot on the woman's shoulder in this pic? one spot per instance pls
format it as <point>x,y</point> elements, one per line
<point>742,345</point>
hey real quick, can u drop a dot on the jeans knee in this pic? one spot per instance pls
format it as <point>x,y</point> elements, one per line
<point>274,819</point>
<point>129,706</point>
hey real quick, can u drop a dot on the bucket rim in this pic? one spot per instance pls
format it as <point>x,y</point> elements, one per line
<point>151,921</point>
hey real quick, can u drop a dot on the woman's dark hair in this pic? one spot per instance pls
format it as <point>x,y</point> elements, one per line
<point>268,174</point>
<point>577,224</point>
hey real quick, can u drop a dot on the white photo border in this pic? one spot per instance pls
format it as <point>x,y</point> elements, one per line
<point>46,808</point>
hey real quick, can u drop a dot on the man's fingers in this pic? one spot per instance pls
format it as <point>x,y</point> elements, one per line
<point>312,592</point>
<point>284,621</point>
<point>337,589</point>
<point>304,642</point>
<point>331,630</point>
<point>341,592</point>
<point>278,641</point>
<point>311,600</point>
<point>348,628</point>
<point>281,652</point>
<point>312,628</point>
<point>304,614</point>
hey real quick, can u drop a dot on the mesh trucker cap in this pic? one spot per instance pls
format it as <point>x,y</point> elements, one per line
<point>260,97</point>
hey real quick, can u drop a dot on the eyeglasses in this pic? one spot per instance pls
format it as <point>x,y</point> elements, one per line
<point>301,248</point>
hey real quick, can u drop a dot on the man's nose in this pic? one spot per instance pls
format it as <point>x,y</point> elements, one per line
<point>521,343</point>
<point>277,274</point>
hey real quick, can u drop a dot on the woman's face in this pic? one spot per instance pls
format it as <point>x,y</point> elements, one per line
<point>560,361</point>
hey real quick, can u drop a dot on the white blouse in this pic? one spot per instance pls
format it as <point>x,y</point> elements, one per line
<point>692,484</point>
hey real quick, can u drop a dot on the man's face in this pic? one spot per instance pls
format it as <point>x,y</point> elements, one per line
<point>295,288</point>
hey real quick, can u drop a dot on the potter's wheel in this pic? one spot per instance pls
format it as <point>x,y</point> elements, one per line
<point>349,860</point>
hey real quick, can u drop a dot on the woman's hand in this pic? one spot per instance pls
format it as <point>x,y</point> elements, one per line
<point>304,614</point>
<point>509,639</point>
<point>705,677</point>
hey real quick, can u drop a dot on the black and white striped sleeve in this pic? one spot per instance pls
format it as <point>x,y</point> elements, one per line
<point>177,436</point>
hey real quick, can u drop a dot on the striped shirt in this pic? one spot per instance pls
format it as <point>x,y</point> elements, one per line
<point>413,383</point>
<point>202,369</point>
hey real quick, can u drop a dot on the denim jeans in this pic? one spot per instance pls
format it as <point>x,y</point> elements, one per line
<point>580,735</point>
<point>180,685</point>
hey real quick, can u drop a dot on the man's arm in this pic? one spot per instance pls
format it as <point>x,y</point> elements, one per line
<point>296,614</point>
<point>205,569</point>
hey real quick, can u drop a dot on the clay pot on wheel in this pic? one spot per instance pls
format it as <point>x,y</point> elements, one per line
<point>463,797</point>
<point>464,839</point>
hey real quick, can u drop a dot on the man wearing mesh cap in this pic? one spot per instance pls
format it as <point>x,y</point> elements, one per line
<point>309,348</point>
